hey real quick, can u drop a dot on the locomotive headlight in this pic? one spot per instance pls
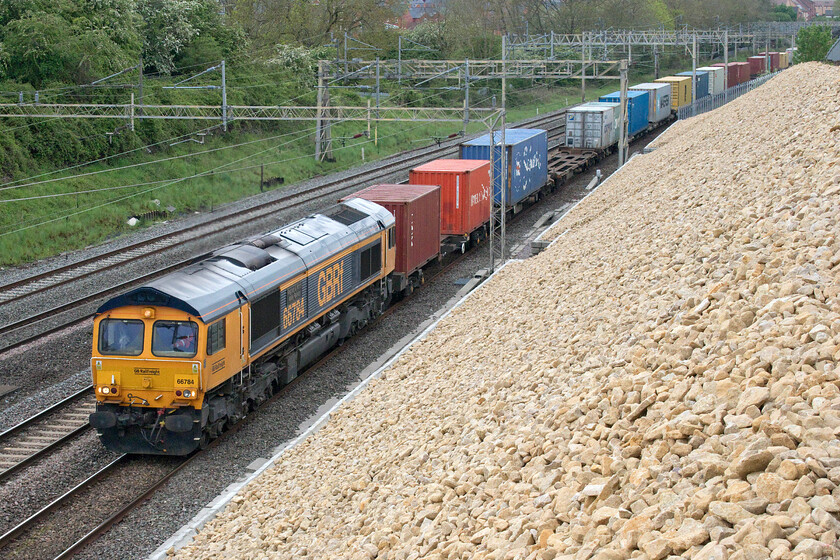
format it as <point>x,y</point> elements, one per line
<point>187,393</point>
<point>103,390</point>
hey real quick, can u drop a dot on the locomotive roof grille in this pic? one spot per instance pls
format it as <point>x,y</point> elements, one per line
<point>345,215</point>
<point>247,256</point>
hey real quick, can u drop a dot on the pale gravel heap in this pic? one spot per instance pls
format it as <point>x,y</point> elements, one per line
<point>661,382</point>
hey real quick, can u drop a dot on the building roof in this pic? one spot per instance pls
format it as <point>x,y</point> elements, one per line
<point>834,52</point>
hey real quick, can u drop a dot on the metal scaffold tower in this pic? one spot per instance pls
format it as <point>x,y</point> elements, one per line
<point>552,44</point>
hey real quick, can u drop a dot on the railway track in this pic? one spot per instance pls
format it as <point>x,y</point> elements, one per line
<point>27,330</point>
<point>41,434</point>
<point>38,283</point>
<point>95,484</point>
<point>102,481</point>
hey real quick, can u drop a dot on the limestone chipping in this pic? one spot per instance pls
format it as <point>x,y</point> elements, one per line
<point>660,383</point>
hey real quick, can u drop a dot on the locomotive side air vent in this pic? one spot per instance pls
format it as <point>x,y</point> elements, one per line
<point>247,256</point>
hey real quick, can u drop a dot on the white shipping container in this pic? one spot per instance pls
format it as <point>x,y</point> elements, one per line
<point>716,74</point>
<point>592,125</point>
<point>660,100</point>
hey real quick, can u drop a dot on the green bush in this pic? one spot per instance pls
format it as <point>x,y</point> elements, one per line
<point>813,43</point>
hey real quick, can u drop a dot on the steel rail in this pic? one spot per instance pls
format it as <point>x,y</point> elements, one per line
<point>31,423</point>
<point>10,535</point>
<point>56,273</point>
<point>134,504</point>
<point>23,425</point>
<point>112,520</point>
<point>260,211</point>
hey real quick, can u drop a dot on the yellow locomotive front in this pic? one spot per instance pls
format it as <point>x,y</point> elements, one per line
<point>147,372</point>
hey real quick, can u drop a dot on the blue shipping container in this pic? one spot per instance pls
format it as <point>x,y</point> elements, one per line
<point>638,108</point>
<point>702,82</point>
<point>527,160</point>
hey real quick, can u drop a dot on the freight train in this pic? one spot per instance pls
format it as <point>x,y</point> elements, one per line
<point>177,361</point>
<point>594,126</point>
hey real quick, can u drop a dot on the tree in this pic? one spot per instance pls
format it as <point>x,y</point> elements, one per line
<point>784,13</point>
<point>309,23</point>
<point>813,43</point>
<point>169,26</point>
<point>67,40</point>
<point>711,13</point>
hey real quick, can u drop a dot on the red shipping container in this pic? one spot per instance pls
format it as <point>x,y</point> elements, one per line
<point>774,60</point>
<point>464,192</point>
<point>756,65</point>
<point>732,73</point>
<point>743,71</point>
<point>417,212</point>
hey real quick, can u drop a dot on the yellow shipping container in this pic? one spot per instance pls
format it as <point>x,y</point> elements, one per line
<point>783,60</point>
<point>680,90</point>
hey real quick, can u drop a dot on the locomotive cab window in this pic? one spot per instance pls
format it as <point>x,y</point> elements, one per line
<point>121,337</point>
<point>174,339</point>
<point>215,337</point>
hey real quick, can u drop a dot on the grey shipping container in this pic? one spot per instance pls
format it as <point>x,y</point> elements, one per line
<point>592,125</point>
<point>660,100</point>
<point>527,161</point>
<point>702,82</point>
<point>716,74</point>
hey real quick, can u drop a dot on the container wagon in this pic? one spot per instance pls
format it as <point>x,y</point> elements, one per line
<point>739,72</point>
<point>465,200</point>
<point>791,53</point>
<point>527,162</point>
<point>659,100</point>
<point>638,109</point>
<point>757,64</point>
<point>680,90</point>
<point>592,126</point>
<point>702,88</point>
<point>716,74</point>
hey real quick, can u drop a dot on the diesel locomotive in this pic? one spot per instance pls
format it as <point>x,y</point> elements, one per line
<point>177,360</point>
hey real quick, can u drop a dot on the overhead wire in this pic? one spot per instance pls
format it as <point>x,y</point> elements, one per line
<point>8,184</point>
<point>202,174</point>
<point>13,184</point>
<point>183,178</point>
<point>144,163</point>
<point>61,216</point>
<point>126,197</point>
